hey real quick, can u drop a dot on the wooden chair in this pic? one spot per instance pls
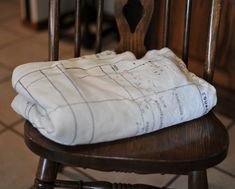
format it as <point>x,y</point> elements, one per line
<point>189,148</point>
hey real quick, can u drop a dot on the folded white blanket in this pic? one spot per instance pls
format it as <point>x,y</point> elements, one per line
<point>109,96</point>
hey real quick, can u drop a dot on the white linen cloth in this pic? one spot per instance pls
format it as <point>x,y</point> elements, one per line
<point>109,96</point>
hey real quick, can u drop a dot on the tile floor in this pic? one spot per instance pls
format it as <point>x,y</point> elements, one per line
<point>17,164</point>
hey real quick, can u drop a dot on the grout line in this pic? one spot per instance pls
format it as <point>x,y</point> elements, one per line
<point>7,78</point>
<point>84,174</point>
<point>171,181</point>
<point>224,171</point>
<point>4,130</point>
<point>12,124</point>
<point>5,66</point>
<point>17,122</point>
<point>3,124</point>
<point>16,132</point>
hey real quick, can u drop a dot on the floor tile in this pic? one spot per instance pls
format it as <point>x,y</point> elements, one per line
<point>25,51</point>
<point>6,37</point>
<point>224,119</point>
<point>16,158</point>
<point>66,49</point>
<point>19,127</point>
<point>69,173</point>
<point>10,18</point>
<point>219,180</point>
<point>32,50</point>
<point>42,37</point>
<point>181,182</point>
<point>216,180</point>
<point>7,115</point>
<point>229,163</point>
<point>131,178</point>
<point>14,25</point>
<point>6,5</point>
<point>1,127</point>
<point>4,73</point>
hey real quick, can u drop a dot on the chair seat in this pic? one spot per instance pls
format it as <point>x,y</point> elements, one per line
<point>193,145</point>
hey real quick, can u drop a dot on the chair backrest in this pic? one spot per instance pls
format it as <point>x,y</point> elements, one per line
<point>133,39</point>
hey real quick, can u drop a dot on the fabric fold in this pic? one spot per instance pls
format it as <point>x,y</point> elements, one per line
<point>108,96</point>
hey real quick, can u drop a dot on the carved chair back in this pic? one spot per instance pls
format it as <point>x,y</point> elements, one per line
<point>132,38</point>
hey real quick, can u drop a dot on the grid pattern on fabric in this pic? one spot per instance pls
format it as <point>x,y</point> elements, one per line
<point>109,96</point>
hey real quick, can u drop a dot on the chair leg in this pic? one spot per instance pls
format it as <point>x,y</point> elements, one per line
<point>46,174</point>
<point>197,180</point>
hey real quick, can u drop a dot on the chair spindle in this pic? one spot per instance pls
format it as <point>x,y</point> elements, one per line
<point>99,25</point>
<point>212,37</point>
<point>166,23</point>
<point>187,21</point>
<point>133,41</point>
<point>53,25</point>
<point>77,38</point>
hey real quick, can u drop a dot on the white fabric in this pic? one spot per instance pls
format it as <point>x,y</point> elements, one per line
<point>109,96</point>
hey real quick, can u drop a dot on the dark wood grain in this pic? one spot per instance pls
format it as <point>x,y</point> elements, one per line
<point>198,179</point>
<point>133,41</point>
<point>91,185</point>
<point>212,38</point>
<point>77,38</point>
<point>53,26</point>
<point>99,25</point>
<point>46,172</point>
<point>166,23</point>
<point>193,145</point>
<point>187,22</point>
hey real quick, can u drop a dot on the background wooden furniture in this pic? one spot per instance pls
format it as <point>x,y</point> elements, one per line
<point>224,72</point>
<point>189,148</point>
